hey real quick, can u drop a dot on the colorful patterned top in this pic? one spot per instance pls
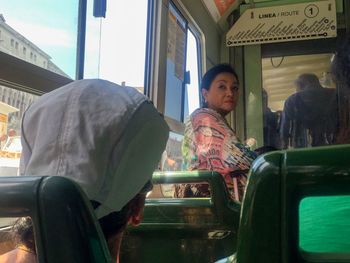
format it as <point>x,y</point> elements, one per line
<point>211,144</point>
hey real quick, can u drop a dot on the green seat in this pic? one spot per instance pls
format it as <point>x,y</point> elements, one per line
<point>186,229</point>
<point>65,227</point>
<point>297,207</point>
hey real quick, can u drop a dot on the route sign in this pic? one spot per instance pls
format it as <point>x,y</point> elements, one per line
<point>293,22</point>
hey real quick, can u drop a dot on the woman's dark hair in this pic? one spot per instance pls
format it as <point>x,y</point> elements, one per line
<point>211,74</point>
<point>341,63</point>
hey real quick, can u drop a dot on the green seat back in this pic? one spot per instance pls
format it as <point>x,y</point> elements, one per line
<point>296,207</point>
<point>65,227</point>
<point>185,229</point>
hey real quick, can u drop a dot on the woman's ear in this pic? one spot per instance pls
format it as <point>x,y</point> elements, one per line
<point>205,95</point>
<point>136,219</point>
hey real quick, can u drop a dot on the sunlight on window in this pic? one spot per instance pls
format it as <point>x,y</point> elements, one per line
<point>192,67</point>
<point>116,44</point>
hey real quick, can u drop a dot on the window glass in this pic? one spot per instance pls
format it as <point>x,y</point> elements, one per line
<point>13,104</point>
<point>182,74</point>
<point>299,101</point>
<point>170,191</point>
<point>6,221</point>
<point>176,64</point>
<point>172,156</point>
<point>116,44</point>
<point>182,81</point>
<point>192,88</point>
<point>324,225</point>
<point>48,32</point>
<point>171,160</point>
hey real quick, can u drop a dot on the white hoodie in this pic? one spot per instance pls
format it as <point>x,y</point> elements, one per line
<point>106,137</point>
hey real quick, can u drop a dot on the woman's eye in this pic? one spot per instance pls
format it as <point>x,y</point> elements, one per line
<point>222,87</point>
<point>234,88</point>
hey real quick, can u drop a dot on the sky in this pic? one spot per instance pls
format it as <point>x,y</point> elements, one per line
<point>51,25</point>
<point>113,52</point>
<point>115,45</point>
<point>123,43</point>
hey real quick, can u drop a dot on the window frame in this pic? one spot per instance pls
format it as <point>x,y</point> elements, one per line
<point>156,55</point>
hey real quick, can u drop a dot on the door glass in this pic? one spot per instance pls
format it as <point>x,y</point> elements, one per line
<point>299,101</point>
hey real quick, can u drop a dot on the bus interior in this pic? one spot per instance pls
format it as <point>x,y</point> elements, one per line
<point>162,48</point>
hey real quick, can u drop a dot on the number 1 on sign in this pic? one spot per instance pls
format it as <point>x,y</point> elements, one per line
<point>311,11</point>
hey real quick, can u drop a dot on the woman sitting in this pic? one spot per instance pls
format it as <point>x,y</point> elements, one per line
<point>209,142</point>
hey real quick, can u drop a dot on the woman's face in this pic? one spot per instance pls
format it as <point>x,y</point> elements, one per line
<point>222,95</point>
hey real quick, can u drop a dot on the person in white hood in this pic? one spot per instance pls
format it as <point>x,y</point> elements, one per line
<point>107,138</point>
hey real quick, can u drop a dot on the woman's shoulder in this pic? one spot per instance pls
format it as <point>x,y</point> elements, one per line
<point>205,113</point>
<point>207,118</point>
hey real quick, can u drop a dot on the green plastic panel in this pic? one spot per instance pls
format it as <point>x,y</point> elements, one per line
<point>278,184</point>
<point>65,226</point>
<point>324,225</point>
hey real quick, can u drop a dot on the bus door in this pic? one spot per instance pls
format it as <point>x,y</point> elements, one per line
<point>282,44</point>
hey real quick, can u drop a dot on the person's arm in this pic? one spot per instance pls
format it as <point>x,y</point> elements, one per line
<point>217,147</point>
<point>204,139</point>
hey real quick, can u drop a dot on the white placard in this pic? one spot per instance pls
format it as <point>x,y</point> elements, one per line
<point>294,22</point>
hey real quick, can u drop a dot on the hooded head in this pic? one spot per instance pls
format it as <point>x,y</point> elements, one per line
<point>105,137</point>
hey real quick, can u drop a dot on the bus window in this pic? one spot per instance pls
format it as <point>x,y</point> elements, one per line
<point>13,104</point>
<point>182,81</point>
<point>116,44</point>
<point>192,86</point>
<point>182,92</point>
<point>42,46</point>
<point>172,156</point>
<point>176,64</point>
<point>299,101</point>
<point>45,37</point>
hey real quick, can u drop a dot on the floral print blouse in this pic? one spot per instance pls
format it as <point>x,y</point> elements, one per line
<point>211,144</point>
